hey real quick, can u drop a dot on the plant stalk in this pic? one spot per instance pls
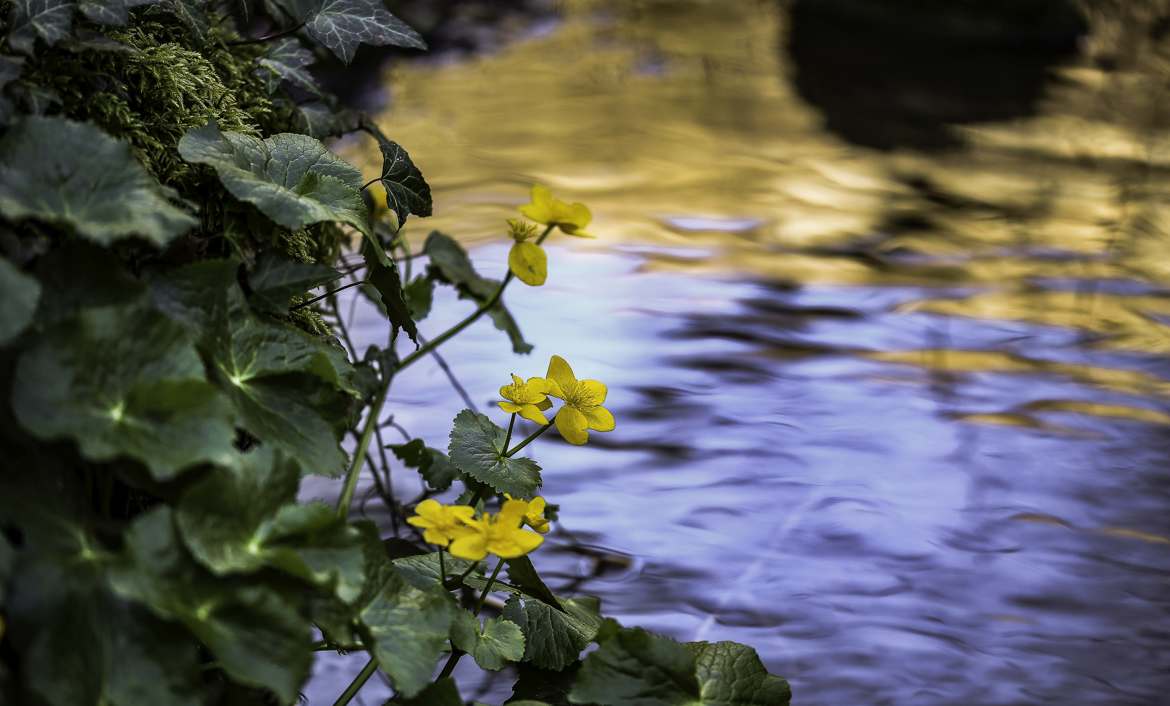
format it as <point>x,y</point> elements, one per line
<point>456,653</point>
<point>358,682</point>
<point>531,438</point>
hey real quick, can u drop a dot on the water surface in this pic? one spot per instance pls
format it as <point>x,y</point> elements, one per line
<point>895,415</point>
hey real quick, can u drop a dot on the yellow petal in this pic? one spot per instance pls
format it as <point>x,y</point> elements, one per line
<point>430,509</point>
<point>572,425</point>
<point>538,384</point>
<point>560,373</point>
<point>591,392</point>
<point>512,512</point>
<point>532,413</point>
<point>540,210</point>
<point>517,380</point>
<point>434,536</point>
<point>576,233</point>
<point>515,544</point>
<point>529,263</point>
<point>544,404</point>
<point>599,418</point>
<point>472,547</point>
<point>462,512</point>
<point>577,217</point>
<point>537,505</point>
<point>509,407</point>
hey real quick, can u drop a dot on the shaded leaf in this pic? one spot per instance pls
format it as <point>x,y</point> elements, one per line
<point>190,294</point>
<point>522,574</point>
<point>419,293</point>
<point>554,638</point>
<point>287,60</point>
<point>61,171</point>
<point>542,686</point>
<point>384,278</point>
<point>276,279</point>
<point>441,693</point>
<point>434,465</point>
<point>28,20</point>
<point>111,12</point>
<point>19,294</point>
<point>406,190</point>
<point>321,120</point>
<point>731,674</point>
<point>293,179</point>
<point>342,25</point>
<point>450,263</point>
<point>255,633</point>
<point>477,449</point>
<point>492,645</point>
<point>124,381</point>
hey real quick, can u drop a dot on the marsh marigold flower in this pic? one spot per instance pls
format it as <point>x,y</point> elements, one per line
<point>528,399</point>
<point>571,218</point>
<point>502,534</point>
<point>582,410</point>
<point>527,261</point>
<point>534,513</point>
<point>441,523</point>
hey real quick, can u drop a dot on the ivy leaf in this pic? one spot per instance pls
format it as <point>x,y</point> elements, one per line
<point>342,25</point>
<point>72,173</point>
<point>633,666</point>
<point>450,263</point>
<point>434,465</point>
<point>277,279</point>
<point>293,179</point>
<point>406,190</point>
<point>49,20</point>
<point>243,517</point>
<point>255,633</point>
<point>288,60</point>
<point>111,12</point>
<point>384,278</point>
<point>273,374</point>
<point>477,449</point>
<point>192,13</point>
<point>124,381</point>
<point>492,645</point>
<point>19,295</point>
<point>407,630</point>
<point>554,638</point>
<point>321,120</point>
<point>419,295</point>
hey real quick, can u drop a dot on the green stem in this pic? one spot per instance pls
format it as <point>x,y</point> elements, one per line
<point>508,436</point>
<point>483,309</point>
<point>358,682</point>
<point>531,437</point>
<point>442,569</point>
<point>359,454</point>
<point>371,181</point>
<point>455,652</point>
<point>269,38</point>
<point>330,293</point>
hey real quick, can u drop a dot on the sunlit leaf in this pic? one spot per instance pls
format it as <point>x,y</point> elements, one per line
<point>477,449</point>
<point>342,25</point>
<point>61,171</point>
<point>19,295</point>
<point>406,190</point>
<point>124,381</point>
<point>449,262</point>
<point>554,638</point>
<point>293,179</point>
<point>492,645</point>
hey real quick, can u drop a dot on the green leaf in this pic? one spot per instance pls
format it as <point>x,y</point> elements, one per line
<point>419,294</point>
<point>434,465</point>
<point>638,668</point>
<point>554,638</point>
<point>406,190</point>
<point>243,517</point>
<point>60,171</point>
<point>192,294</point>
<point>277,279</point>
<point>293,179</point>
<point>255,633</point>
<point>79,274</point>
<point>407,630</point>
<point>124,381</point>
<point>192,14</point>
<point>477,449</point>
<point>542,686</point>
<point>19,295</point>
<point>522,574</point>
<point>28,20</point>
<point>274,373</point>
<point>342,25</point>
<point>111,12</point>
<point>492,645</point>
<point>321,120</point>
<point>287,60</point>
<point>450,263</point>
<point>441,693</point>
<point>384,278</point>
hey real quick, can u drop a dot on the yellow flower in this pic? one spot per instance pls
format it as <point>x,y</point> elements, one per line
<point>519,230</point>
<point>582,410</point>
<point>442,523</point>
<point>528,399</point>
<point>534,513</point>
<point>529,263</point>
<point>572,218</point>
<point>502,534</point>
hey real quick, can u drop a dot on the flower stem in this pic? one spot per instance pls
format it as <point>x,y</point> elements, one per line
<point>358,682</point>
<point>442,569</point>
<point>508,436</point>
<point>359,454</point>
<point>531,438</point>
<point>457,653</point>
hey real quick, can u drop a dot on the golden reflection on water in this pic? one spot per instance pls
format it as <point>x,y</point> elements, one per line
<point>679,125</point>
